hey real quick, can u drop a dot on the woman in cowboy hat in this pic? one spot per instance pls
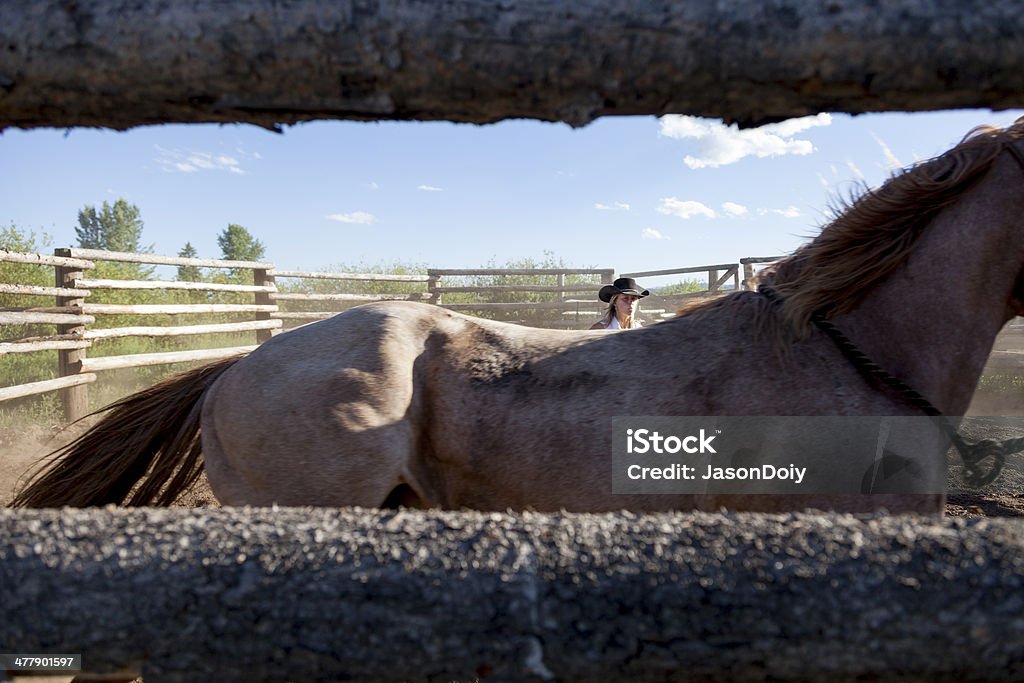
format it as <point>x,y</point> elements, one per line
<point>623,299</point>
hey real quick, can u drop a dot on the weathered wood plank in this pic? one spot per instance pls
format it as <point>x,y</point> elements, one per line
<point>73,309</point>
<point>172,284</point>
<point>21,318</point>
<point>172,309</point>
<point>505,306</point>
<point>521,288</point>
<point>156,259</point>
<point>379,277</point>
<point>46,337</point>
<point>44,259</point>
<point>680,271</point>
<point>304,315</point>
<point>179,330</point>
<point>414,296</point>
<point>144,359</point>
<point>112,63</point>
<point>442,596</point>
<point>28,347</point>
<point>22,390</point>
<point>36,290</point>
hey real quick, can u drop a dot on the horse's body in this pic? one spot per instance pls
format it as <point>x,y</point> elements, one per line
<point>469,412</point>
<point>401,403</point>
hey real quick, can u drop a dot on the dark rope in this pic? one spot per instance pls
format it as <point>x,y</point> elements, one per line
<point>972,454</point>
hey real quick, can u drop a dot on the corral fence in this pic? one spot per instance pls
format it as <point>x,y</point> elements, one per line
<point>243,303</point>
<point>538,297</point>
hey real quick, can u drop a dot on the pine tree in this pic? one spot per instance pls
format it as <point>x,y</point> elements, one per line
<point>189,273</point>
<point>237,244</point>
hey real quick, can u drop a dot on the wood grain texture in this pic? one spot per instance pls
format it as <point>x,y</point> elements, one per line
<point>125,63</point>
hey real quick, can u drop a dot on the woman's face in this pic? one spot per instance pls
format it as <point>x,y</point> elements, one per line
<point>625,305</point>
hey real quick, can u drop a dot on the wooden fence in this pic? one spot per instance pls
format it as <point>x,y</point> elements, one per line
<point>512,295</point>
<point>74,313</point>
<point>354,594</point>
<point>567,299</point>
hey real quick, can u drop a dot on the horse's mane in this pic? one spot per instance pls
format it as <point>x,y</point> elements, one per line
<point>872,234</point>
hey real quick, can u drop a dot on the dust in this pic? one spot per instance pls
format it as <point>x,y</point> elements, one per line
<point>21,450</point>
<point>23,446</point>
<point>24,449</point>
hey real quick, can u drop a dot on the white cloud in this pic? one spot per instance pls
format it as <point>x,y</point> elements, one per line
<point>854,170</point>
<point>652,234</point>
<point>372,185</point>
<point>719,145</point>
<point>429,188</point>
<point>734,209</point>
<point>617,206</point>
<point>192,161</point>
<point>788,212</point>
<point>890,159</point>
<point>685,209</point>
<point>360,217</point>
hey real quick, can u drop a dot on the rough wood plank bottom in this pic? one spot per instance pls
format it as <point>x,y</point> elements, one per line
<point>326,594</point>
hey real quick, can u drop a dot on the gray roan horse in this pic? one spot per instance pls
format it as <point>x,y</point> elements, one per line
<point>404,403</point>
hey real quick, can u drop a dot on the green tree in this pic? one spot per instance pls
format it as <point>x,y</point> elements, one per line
<point>189,273</point>
<point>237,244</point>
<point>13,238</point>
<point>116,227</point>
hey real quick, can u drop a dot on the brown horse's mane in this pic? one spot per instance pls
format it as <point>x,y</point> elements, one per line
<point>873,233</point>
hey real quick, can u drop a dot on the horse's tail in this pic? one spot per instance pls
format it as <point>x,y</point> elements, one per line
<point>145,451</point>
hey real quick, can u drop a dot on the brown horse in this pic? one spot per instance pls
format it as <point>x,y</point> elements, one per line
<point>403,403</point>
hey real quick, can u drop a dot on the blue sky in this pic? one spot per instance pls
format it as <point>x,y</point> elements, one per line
<point>630,193</point>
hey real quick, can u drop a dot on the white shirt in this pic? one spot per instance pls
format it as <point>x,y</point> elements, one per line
<point>614,324</point>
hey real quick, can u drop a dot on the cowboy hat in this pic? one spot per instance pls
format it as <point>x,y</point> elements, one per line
<point>624,285</point>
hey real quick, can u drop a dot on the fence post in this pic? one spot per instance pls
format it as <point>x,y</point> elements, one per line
<point>261,278</point>
<point>712,282</point>
<point>75,399</point>
<point>432,280</point>
<point>748,275</point>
